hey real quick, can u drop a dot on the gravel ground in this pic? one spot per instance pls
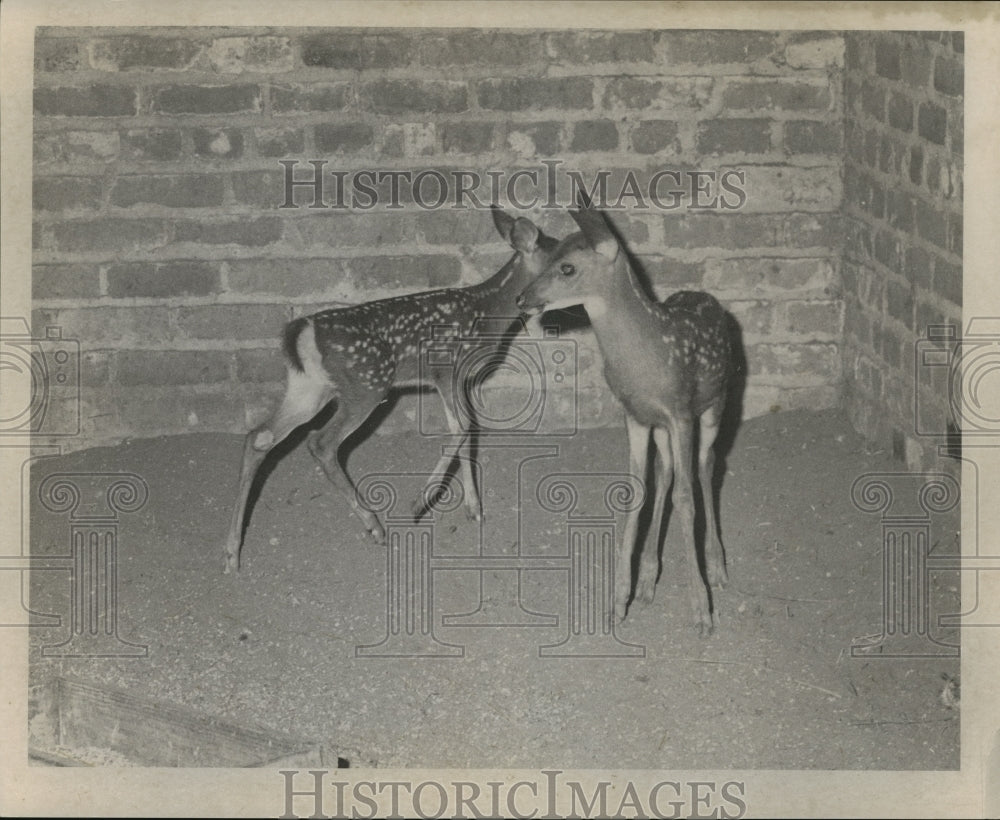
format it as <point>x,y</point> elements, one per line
<point>274,646</point>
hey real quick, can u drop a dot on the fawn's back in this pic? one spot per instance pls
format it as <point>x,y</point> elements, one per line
<point>692,359</point>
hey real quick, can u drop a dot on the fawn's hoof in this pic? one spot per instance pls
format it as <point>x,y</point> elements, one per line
<point>644,591</point>
<point>378,534</point>
<point>717,575</point>
<point>474,513</point>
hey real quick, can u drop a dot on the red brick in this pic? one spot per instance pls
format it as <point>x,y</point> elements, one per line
<point>263,230</point>
<point>233,55</point>
<point>108,234</point>
<point>651,136</point>
<point>285,277</point>
<point>106,325</point>
<point>594,135</point>
<point>774,276</point>
<point>401,96</point>
<point>73,146</point>
<point>666,274</point>
<point>175,367</point>
<point>75,281</point>
<point>266,189</point>
<point>174,191</point>
<point>948,280</point>
<point>151,144</point>
<point>259,366</point>
<point>58,54</point>
<point>357,50</point>
<point>448,227</point>
<point>755,318</point>
<point>279,142</point>
<point>65,193</point>
<point>813,137</point>
<point>471,47</point>
<point>232,321</point>
<point>899,303</point>
<point>409,272</point>
<point>932,123</point>
<point>587,47</point>
<point>901,112</point>
<point>534,138</point>
<point>163,279</point>
<point>712,47</point>
<point>887,59</point>
<point>359,229</point>
<point>873,100</point>
<point>139,52</point>
<point>466,137</point>
<point>818,361</point>
<point>738,230</point>
<point>218,143</point>
<point>775,94</point>
<point>668,94</point>
<point>523,94</point>
<point>311,97</point>
<point>88,101</point>
<point>206,99</point>
<point>725,136</point>
<point>343,137</point>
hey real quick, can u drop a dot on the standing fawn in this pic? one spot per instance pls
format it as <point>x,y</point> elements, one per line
<point>354,356</point>
<point>669,364</point>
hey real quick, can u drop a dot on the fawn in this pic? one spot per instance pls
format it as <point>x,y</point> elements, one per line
<point>356,355</point>
<point>670,365</point>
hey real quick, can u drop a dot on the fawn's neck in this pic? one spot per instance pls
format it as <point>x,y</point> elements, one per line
<point>624,319</point>
<point>496,295</point>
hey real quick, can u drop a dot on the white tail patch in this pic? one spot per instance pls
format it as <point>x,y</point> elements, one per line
<point>309,355</point>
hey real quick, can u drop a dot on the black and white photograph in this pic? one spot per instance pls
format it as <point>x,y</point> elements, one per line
<point>499,409</point>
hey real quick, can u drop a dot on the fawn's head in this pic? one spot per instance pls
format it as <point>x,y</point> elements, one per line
<point>581,270</point>
<point>533,249</point>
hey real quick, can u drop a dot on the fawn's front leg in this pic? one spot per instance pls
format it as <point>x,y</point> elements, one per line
<point>638,448</point>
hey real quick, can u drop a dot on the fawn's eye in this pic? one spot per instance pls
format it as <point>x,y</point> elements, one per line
<point>567,269</point>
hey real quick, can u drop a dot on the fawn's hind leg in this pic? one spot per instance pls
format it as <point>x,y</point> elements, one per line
<point>304,397</point>
<point>325,444</point>
<point>715,557</point>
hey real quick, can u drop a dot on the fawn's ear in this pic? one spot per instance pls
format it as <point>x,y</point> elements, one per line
<point>524,237</point>
<point>596,231</point>
<point>504,223</point>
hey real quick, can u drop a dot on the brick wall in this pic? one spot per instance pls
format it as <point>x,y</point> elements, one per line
<point>160,243</point>
<point>903,248</point>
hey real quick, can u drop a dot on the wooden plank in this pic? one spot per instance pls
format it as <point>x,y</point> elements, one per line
<point>83,715</point>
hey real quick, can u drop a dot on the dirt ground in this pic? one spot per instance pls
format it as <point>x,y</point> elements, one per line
<point>275,646</point>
